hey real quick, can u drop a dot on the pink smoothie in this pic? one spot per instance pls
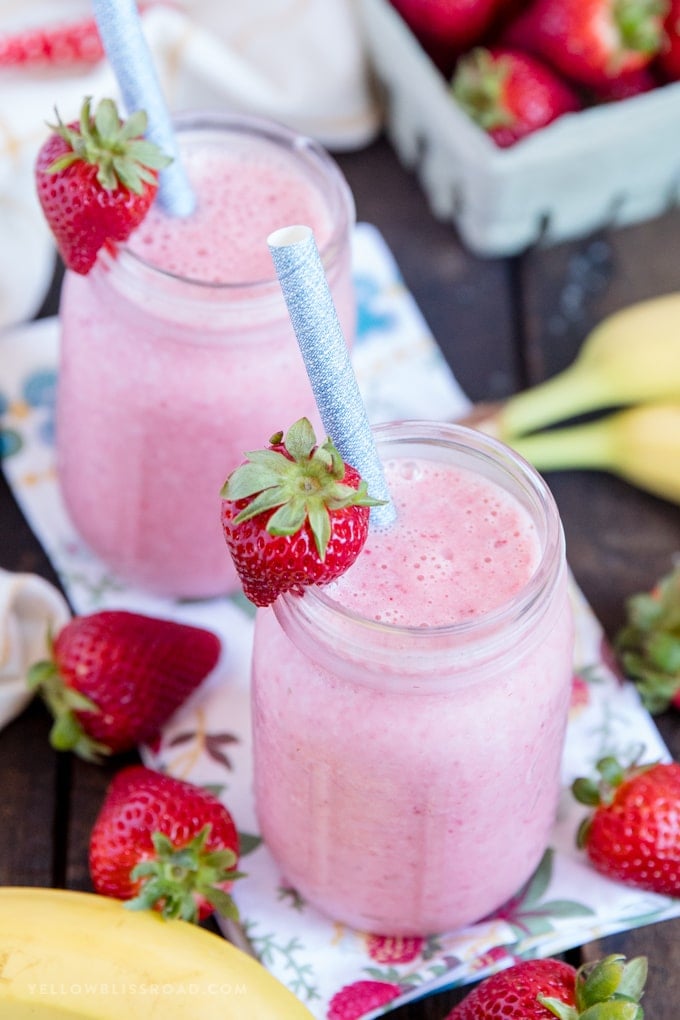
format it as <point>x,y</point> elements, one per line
<point>415,794</point>
<point>178,356</point>
<point>243,194</point>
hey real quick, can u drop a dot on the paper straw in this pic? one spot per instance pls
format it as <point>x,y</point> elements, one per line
<point>130,57</point>
<point>326,357</point>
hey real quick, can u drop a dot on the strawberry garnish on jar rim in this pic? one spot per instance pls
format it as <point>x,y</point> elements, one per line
<point>96,179</point>
<point>293,515</point>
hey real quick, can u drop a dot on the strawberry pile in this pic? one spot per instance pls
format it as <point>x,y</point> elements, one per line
<point>515,66</point>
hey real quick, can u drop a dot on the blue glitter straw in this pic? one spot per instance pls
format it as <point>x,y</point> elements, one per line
<point>129,55</point>
<point>326,357</point>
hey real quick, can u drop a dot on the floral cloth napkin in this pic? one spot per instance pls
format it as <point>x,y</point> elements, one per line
<point>402,374</point>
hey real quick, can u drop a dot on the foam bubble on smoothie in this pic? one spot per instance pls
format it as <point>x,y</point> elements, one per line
<point>461,547</point>
<point>241,197</point>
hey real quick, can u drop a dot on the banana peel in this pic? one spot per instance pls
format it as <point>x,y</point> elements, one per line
<point>71,955</point>
<point>631,357</point>
<point>640,444</point>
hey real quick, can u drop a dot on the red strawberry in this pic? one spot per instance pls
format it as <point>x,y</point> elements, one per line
<point>632,83</point>
<point>633,833</point>
<point>293,515</point>
<point>445,28</point>
<point>669,54</point>
<point>116,677</point>
<point>164,844</point>
<point>96,180</point>
<point>591,41</point>
<point>355,1000</point>
<point>510,94</point>
<point>544,989</point>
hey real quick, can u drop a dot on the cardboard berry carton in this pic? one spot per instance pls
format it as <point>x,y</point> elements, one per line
<point>610,165</point>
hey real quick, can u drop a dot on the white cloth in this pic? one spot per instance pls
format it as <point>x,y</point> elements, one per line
<point>31,610</point>
<point>301,62</point>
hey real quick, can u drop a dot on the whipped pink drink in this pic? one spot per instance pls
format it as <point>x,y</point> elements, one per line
<point>178,355</point>
<point>409,719</point>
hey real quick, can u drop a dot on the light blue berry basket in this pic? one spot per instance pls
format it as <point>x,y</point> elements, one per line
<point>615,164</point>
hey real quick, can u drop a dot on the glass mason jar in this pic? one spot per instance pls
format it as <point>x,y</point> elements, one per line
<point>407,776</point>
<point>177,355</point>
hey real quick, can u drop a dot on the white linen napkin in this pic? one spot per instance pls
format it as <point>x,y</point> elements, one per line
<point>301,62</point>
<point>31,609</point>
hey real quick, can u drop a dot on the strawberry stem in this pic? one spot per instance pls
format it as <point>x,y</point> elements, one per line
<point>177,878</point>
<point>300,482</point>
<point>607,989</point>
<point>478,86</point>
<point>67,732</point>
<point>116,147</point>
<point>640,24</point>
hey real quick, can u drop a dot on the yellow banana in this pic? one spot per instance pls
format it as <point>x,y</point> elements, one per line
<point>641,444</point>
<point>631,357</point>
<point>70,956</point>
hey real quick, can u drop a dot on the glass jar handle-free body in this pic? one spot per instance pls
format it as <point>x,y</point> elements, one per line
<point>177,355</point>
<point>409,719</point>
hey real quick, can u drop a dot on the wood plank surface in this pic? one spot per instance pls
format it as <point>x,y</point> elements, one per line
<point>466,301</point>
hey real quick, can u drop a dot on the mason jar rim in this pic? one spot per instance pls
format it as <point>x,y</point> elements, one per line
<point>317,607</point>
<point>277,134</point>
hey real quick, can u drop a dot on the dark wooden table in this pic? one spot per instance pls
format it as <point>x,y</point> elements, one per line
<point>503,324</point>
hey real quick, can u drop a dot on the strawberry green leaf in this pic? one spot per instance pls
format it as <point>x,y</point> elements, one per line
<point>148,154</point>
<point>115,147</point>
<point>288,519</point>
<point>264,501</point>
<point>558,1008</point>
<point>300,439</point>
<point>320,523</point>
<point>176,878</point>
<point>248,480</point>
<point>223,903</point>
<point>634,978</point>
<point>603,980</point>
<point>106,119</point>
<point>134,126</point>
